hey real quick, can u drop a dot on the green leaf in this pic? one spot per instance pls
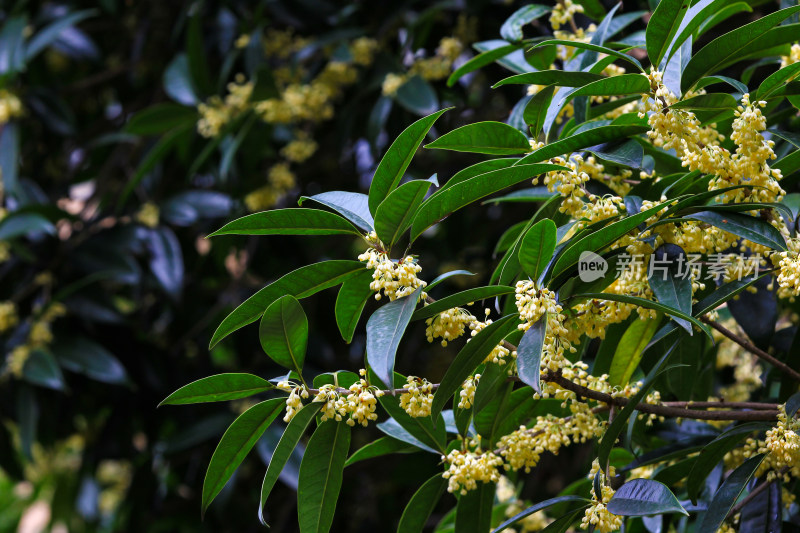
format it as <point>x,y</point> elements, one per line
<point>537,247</point>
<point>12,45</point>
<point>529,354</point>
<point>644,497</point>
<point>593,48</point>
<point>178,82</point>
<point>481,60</point>
<point>751,228</point>
<point>628,153</point>
<point>474,509</point>
<point>601,238</point>
<point>531,194</point>
<point>351,205</point>
<point>9,157</point>
<point>379,447</point>
<point>440,278</point>
<point>385,329</point>
<point>537,507</point>
<point>708,102</point>
<point>476,170</point>
<point>583,139</point>
<point>511,30</point>
<point>560,78</point>
<point>469,358</point>
<point>673,291</point>
<point>713,56</point>
<point>461,299</point>
<point>394,429</point>
<point>50,33</point>
<point>42,369</point>
<point>727,495</point>
<point>421,505</point>
<point>236,443</point>
<point>321,474</point>
<point>493,377</point>
<point>722,15</point>
<point>453,198</point>
<point>300,283</point>
<point>286,445</point>
<point>350,302</point>
<point>283,333</point>
<point>396,212</point>
<point>397,158</point>
<point>630,349</point>
<point>417,96</point>
<point>696,15</point>
<point>775,80</point>
<point>487,137</point>
<point>621,420</point>
<point>295,221</point>
<point>663,26</point>
<point>616,85</point>
<point>79,354</point>
<point>18,224</point>
<point>218,388</point>
<point>711,455</point>
<point>536,110</point>
<point>642,302</point>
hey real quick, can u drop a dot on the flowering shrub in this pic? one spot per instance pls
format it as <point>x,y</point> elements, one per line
<point>659,248</point>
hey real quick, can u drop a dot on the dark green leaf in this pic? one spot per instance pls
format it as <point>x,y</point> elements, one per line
<point>82,355</point>
<point>537,247</point>
<point>397,158</point>
<point>583,139</point>
<point>19,224</point>
<point>395,213</point>
<point>178,82</point>
<point>642,302</point>
<point>775,80</point>
<point>663,26</point>
<point>421,505</point>
<point>474,509</point>
<point>394,429</point>
<point>727,495</point>
<point>460,299</point>
<point>537,507</point>
<point>351,205</point>
<point>616,85</point>
<point>488,137</point>
<point>379,447</point>
<point>50,33</point>
<point>511,30</point>
<point>300,283</point>
<point>283,333</point>
<point>593,48</point>
<point>321,474</point>
<point>673,291</point>
<point>236,443</point>
<point>385,329</point>
<point>536,110</point>
<point>747,227</point>
<point>286,445</point>
<point>628,153</point>
<point>469,358</point>
<point>447,275</point>
<point>42,369</point>
<point>629,351</point>
<point>708,102</point>
<point>160,118</point>
<point>644,497</point>
<point>417,96</point>
<point>218,388</point>
<point>481,60</point>
<point>560,78</point>
<point>296,221</point>
<point>729,46</point>
<point>529,354</point>
<point>350,302</point>
<point>453,198</point>
<point>696,15</point>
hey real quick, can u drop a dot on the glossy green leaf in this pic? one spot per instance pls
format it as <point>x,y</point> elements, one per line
<point>644,497</point>
<point>476,170</point>
<point>440,278</point>
<point>474,509</point>
<point>733,8</point>
<point>535,111</point>
<point>560,78</point>
<point>580,140</point>
<point>421,505</point>
<point>496,138</point>
<point>417,96</point>
<point>529,354</point>
<point>733,44</point>
<point>350,302</point>
<point>283,333</point>
<point>537,507</point>
<point>662,27</point>
<point>696,15</point>
<point>469,358</point>
<point>708,102</point>
<point>236,443</point>
<point>19,224</point>
<point>50,33</point>
<point>616,85</point>
<point>511,30</point>
<point>776,80</point>
<point>629,351</point>
<point>178,82</point>
<point>42,369</point>
<point>286,445</point>
<point>593,48</point>
<point>727,494</point>
<point>440,205</point>
<point>218,388</point>
<point>537,247</point>
<point>378,448</point>
<point>295,221</point>
<point>395,161</point>
<point>673,291</point>
<point>351,205</point>
<point>385,329</point>
<point>321,474</point>
<point>461,299</point>
<point>406,433</point>
<point>481,60</point>
<point>750,228</point>
<point>395,213</point>
<point>494,377</point>
<point>300,283</point>
<point>79,354</point>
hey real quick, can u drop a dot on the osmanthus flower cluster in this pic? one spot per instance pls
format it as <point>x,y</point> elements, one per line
<point>604,327</point>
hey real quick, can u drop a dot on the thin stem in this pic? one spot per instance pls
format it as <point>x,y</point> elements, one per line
<point>750,347</point>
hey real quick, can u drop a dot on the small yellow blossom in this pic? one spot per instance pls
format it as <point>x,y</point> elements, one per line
<point>392,83</point>
<point>8,316</point>
<point>467,468</point>
<point>148,215</point>
<point>418,398</point>
<point>10,106</point>
<point>467,394</point>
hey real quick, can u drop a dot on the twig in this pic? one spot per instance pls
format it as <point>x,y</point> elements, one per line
<point>755,492</point>
<point>750,347</point>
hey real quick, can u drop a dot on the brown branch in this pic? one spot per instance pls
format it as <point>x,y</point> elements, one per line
<point>750,347</point>
<point>755,492</point>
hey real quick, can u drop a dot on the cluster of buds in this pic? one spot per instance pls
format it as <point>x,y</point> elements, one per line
<point>448,325</point>
<point>467,394</point>
<point>466,468</point>
<point>297,393</point>
<point>395,278</point>
<point>418,398</point>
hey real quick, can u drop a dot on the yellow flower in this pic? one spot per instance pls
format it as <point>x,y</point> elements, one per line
<point>467,394</point>
<point>598,514</point>
<point>448,325</point>
<point>418,398</point>
<point>363,50</point>
<point>8,316</point>
<point>10,106</point>
<point>395,278</point>
<point>467,468</point>
<point>148,215</point>
<point>391,84</point>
